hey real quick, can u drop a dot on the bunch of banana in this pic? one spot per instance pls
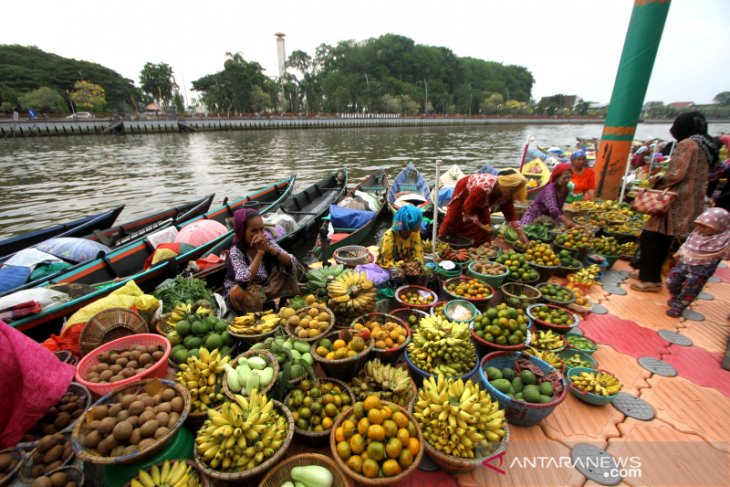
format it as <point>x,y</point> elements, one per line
<point>179,474</point>
<point>318,279</point>
<point>389,383</point>
<point>203,376</point>
<point>601,383</point>
<point>457,417</point>
<point>351,294</point>
<point>547,340</point>
<point>202,307</point>
<point>440,246</point>
<point>242,435</point>
<point>254,323</point>
<point>587,275</point>
<point>546,356</point>
<point>179,313</point>
<point>629,248</point>
<point>440,346</point>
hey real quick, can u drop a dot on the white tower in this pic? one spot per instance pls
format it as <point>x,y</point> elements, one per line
<point>281,52</point>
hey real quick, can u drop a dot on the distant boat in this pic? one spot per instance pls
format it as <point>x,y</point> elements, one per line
<point>537,175</point>
<point>410,187</point>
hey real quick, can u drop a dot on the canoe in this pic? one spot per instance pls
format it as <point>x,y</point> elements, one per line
<point>312,203</point>
<point>376,185</point>
<point>538,175</point>
<point>447,181</point>
<point>75,228</point>
<point>112,271</point>
<point>410,184</point>
<point>130,231</point>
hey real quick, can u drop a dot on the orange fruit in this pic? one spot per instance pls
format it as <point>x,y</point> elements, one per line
<point>355,463</point>
<point>376,432</point>
<point>343,450</point>
<point>412,429</point>
<point>414,446</point>
<point>391,468</point>
<point>405,459</point>
<point>375,416</point>
<point>348,428</point>
<point>358,410</point>
<point>393,448</point>
<point>372,402</point>
<point>362,426</point>
<point>327,423</point>
<point>357,444</point>
<point>339,435</point>
<point>402,436</point>
<point>391,429</point>
<point>400,419</point>
<point>376,451</point>
<point>370,468</point>
<point>387,412</point>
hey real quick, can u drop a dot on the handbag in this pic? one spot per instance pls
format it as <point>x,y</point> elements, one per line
<point>653,201</point>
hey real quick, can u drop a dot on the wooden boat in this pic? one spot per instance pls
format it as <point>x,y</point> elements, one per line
<point>375,184</point>
<point>75,228</point>
<point>538,176</point>
<point>128,232</point>
<point>112,271</point>
<point>409,183</point>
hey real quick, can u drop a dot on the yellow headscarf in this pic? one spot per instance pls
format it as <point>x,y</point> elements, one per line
<point>511,179</point>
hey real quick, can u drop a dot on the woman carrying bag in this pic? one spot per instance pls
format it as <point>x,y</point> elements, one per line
<point>686,177</point>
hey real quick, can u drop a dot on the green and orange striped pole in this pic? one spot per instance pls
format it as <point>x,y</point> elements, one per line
<point>632,79</point>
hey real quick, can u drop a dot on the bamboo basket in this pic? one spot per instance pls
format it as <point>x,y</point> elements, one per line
<point>386,355</point>
<point>289,330</point>
<point>259,470</point>
<point>18,458</point>
<point>81,428</point>
<point>25,474</point>
<point>109,325</point>
<point>74,474</point>
<point>347,368</point>
<point>204,481</point>
<point>456,465</point>
<point>361,479</point>
<point>319,438</point>
<point>266,355</point>
<point>280,474</point>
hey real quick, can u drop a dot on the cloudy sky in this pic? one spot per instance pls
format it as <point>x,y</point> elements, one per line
<point>570,46</point>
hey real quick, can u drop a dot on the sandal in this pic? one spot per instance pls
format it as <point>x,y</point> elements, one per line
<point>647,287</point>
<point>674,312</point>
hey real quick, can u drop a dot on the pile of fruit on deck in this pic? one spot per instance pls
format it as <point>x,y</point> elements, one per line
<point>248,386</point>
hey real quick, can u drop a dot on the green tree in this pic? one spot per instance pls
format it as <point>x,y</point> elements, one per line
<point>157,82</point>
<point>722,98</point>
<point>230,90</point>
<point>88,96</point>
<point>178,102</point>
<point>43,99</point>
<point>260,100</point>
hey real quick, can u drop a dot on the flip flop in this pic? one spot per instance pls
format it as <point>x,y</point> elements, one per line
<point>647,287</point>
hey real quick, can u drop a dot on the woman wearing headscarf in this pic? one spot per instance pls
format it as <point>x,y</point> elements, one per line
<point>584,178</point>
<point>401,244</point>
<point>551,199</point>
<point>698,258</point>
<point>687,177</point>
<point>476,196</point>
<point>258,270</point>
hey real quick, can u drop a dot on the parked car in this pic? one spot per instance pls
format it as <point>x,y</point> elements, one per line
<point>81,115</point>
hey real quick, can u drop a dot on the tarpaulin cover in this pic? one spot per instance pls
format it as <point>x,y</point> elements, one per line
<point>341,217</point>
<point>374,272</point>
<point>73,249</point>
<point>12,276</point>
<point>32,381</point>
<point>200,232</point>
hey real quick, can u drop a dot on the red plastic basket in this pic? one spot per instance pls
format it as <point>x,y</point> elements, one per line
<point>159,369</point>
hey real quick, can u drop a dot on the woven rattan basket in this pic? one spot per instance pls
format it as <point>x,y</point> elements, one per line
<point>353,255</point>
<point>361,479</point>
<point>91,456</point>
<point>246,477</point>
<point>319,438</point>
<point>264,354</point>
<point>25,474</point>
<point>280,474</point>
<point>109,325</point>
<point>203,480</point>
<point>347,368</point>
<point>457,465</point>
<point>289,329</point>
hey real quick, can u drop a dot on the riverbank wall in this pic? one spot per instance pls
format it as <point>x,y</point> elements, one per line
<point>44,128</point>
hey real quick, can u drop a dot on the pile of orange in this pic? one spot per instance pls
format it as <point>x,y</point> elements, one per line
<point>386,335</point>
<point>541,254</point>
<point>469,289</point>
<point>580,297</point>
<point>377,439</point>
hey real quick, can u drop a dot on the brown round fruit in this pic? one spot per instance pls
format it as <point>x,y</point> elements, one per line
<point>123,431</point>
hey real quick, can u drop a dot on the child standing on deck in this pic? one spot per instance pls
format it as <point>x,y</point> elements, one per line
<point>699,256</point>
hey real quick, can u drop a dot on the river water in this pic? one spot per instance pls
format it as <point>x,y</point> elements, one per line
<point>55,179</point>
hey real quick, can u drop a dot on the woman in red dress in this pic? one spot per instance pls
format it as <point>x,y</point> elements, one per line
<point>475,196</point>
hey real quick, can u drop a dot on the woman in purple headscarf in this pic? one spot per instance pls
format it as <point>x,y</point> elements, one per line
<point>258,270</point>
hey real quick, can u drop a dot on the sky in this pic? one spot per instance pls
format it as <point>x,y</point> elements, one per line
<point>572,47</point>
